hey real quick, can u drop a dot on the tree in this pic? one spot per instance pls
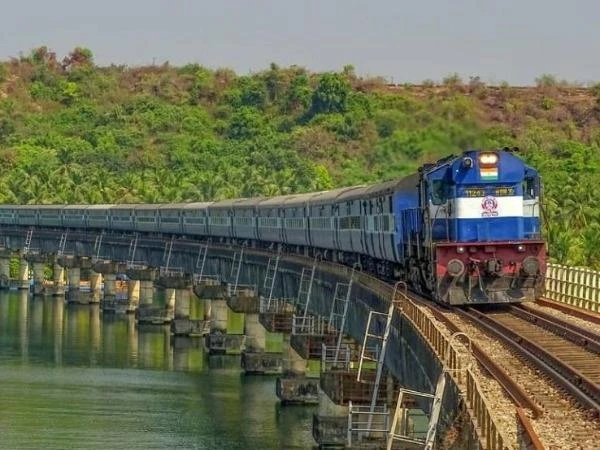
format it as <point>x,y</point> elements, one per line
<point>273,82</point>
<point>298,95</point>
<point>80,56</point>
<point>246,123</point>
<point>331,94</point>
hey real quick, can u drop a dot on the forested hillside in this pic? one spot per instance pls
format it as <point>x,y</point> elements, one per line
<point>74,132</point>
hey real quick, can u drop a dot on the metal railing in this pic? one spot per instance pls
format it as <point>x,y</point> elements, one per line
<point>366,423</point>
<point>309,326</point>
<point>276,305</point>
<point>575,286</point>
<point>334,358</point>
<point>199,278</point>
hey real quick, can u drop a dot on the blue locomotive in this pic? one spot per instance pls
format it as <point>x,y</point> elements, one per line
<point>465,229</point>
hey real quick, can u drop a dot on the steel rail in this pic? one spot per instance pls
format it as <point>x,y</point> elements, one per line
<point>532,440</point>
<point>563,328</point>
<point>571,310</point>
<point>585,391</point>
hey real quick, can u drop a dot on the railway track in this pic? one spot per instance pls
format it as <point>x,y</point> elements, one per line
<point>565,353</point>
<point>589,316</point>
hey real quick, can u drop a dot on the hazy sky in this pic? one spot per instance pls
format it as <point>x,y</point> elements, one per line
<point>512,40</point>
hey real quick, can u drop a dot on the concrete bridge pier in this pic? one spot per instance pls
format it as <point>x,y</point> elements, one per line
<point>95,286</point>
<point>178,288</point>
<point>256,335</point>
<point>110,286</point>
<point>58,280</point>
<point>133,295</point>
<point>170,301</point>
<point>23,281</point>
<point>300,381</point>
<point>182,303</point>
<point>5,256</point>
<point>226,334</point>
<point>39,263</point>
<point>73,265</point>
<point>74,282</point>
<point>262,350</point>
<point>185,323</point>
<point>218,315</point>
<point>38,278</point>
<point>146,292</point>
<point>141,292</point>
<point>330,422</point>
<point>109,271</point>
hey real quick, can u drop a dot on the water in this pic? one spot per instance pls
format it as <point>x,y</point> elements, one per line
<point>71,378</point>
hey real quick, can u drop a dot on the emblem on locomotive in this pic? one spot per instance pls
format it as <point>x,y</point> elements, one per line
<point>489,206</point>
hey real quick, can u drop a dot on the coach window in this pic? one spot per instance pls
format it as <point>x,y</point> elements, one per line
<point>438,192</point>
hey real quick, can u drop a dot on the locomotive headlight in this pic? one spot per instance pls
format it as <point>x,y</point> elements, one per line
<point>460,249</point>
<point>488,159</point>
<point>467,162</point>
<point>521,248</point>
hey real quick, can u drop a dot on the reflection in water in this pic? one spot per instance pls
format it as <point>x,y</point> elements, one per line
<point>71,377</point>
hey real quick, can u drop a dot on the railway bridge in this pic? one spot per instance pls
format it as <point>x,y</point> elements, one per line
<point>385,368</point>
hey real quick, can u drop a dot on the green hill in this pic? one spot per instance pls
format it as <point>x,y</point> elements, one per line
<point>74,132</point>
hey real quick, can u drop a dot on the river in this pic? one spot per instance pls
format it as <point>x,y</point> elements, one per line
<point>73,378</point>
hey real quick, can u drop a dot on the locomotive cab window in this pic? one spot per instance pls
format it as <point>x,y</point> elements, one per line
<point>438,192</point>
<point>530,188</point>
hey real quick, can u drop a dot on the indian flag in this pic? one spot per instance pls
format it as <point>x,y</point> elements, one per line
<point>488,173</point>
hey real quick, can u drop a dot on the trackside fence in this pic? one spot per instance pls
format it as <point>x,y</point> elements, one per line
<point>575,286</point>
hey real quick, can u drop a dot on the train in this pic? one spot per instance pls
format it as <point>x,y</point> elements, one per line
<point>463,230</point>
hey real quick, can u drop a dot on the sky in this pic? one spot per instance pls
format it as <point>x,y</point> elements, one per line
<point>404,41</point>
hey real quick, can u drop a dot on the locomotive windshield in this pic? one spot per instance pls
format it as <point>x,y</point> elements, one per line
<point>529,188</point>
<point>438,192</point>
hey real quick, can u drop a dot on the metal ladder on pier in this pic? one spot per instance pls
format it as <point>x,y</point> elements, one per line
<point>201,261</point>
<point>62,244</point>
<point>339,311</point>
<point>98,246</point>
<point>28,239</point>
<point>270,276</point>
<point>380,341</point>
<point>167,255</point>
<point>305,290</point>
<point>400,417</point>
<point>236,268</point>
<point>132,250</point>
